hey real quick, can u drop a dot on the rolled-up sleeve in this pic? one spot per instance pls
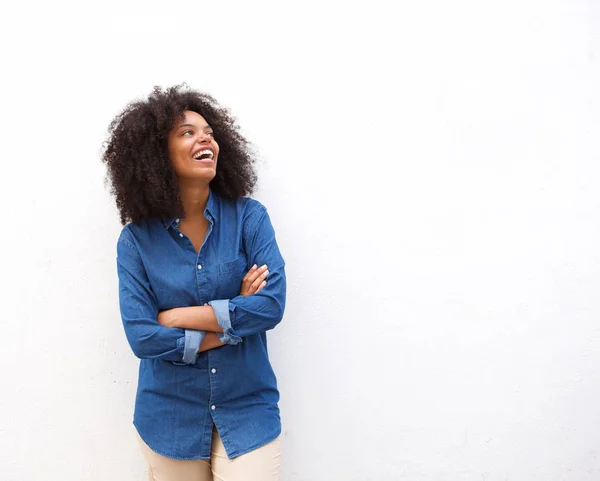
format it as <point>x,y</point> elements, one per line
<point>139,313</point>
<point>193,339</point>
<point>246,315</point>
<point>221,308</point>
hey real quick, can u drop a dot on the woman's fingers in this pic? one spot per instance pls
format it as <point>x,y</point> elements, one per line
<point>252,272</point>
<point>257,284</point>
<point>263,284</point>
<point>253,279</point>
<point>247,280</point>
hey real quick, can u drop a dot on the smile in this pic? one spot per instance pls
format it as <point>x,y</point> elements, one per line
<point>205,154</point>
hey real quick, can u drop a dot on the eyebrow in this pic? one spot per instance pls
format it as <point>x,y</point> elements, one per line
<point>192,125</point>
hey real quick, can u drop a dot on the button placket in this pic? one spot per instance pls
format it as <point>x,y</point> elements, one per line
<point>199,266</point>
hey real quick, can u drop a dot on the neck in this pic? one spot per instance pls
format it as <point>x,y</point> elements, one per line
<point>194,197</point>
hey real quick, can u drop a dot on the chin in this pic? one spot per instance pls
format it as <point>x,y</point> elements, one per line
<point>206,175</point>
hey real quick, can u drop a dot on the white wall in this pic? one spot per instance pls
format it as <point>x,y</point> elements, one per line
<point>432,173</point>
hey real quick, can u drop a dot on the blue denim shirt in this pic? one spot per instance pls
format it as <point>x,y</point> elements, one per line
<point>182,393</point>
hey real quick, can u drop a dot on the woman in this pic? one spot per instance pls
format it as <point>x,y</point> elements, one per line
<point>201,280</point>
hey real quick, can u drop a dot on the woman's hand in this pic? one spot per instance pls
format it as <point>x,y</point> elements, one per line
<point>254,280</point>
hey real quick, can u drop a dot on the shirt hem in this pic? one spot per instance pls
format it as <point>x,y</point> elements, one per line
<point>172,456</point>
<point>259,445</point>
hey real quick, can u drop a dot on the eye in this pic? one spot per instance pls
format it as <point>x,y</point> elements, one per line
<point>185,132</point>
<point>212,134</point>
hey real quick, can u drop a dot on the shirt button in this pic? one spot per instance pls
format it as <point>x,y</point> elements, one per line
<point>199,266</point>
<point>180,234</point>
<point>213,370</point>
<point>176,220</point>
<point>213,407</point>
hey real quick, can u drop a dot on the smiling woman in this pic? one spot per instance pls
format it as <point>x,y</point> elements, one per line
<point>141,140</point>
<point>195,140</point>
<point>201,280</point>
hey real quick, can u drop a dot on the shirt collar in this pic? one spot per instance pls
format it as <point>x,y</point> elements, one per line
<point>211,208</point>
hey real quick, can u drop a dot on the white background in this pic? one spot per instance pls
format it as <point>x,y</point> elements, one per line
<point>432,171</point>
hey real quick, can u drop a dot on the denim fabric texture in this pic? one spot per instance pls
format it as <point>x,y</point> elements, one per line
<point>181,392</point>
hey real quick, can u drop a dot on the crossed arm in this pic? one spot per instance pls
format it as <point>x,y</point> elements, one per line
<point>203,318</point>
<point>176,334</point>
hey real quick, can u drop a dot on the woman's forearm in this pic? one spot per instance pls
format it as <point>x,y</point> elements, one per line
<point>210,341</point>
<point>201,318</point>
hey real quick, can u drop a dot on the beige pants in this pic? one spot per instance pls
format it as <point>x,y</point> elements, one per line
<point>262,464</point>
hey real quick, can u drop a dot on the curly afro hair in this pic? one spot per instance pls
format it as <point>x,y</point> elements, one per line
<point>141,175</point>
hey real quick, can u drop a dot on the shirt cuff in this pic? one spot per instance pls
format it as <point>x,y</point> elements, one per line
<point>193,339</point>
<point>221,308</point>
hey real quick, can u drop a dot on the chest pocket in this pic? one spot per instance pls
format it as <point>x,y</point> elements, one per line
<point>230,275</point>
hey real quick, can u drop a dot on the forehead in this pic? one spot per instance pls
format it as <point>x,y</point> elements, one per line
<point>192,118</point>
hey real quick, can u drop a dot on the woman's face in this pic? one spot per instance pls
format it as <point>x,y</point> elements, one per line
<point>192,148</point>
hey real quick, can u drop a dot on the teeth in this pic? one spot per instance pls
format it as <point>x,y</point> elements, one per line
<point>197,155</point>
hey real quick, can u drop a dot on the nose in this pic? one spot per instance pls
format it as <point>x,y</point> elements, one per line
<point>204,138</point>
